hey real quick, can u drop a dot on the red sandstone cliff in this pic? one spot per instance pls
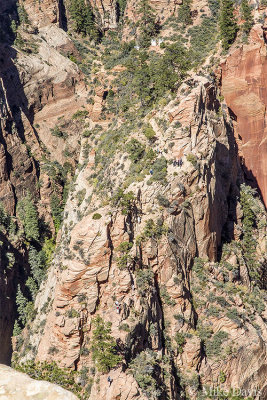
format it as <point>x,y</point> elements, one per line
<point>211,306</point>
<point>244,86</point>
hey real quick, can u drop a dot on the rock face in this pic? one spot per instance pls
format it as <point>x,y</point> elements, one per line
<point>244,89</point>
<point>86,266</point>
<point>34,94</point>
<point>17,386</point>
<point>152,237</point>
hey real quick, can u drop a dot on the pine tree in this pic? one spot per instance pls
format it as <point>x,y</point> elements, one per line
<point>28,215</point>
<point>148,25</point>
<point>83,17</point>
<point>121,4</point>
<point>184,15</point>
<point>21,303</point>
<point>228,25</point>
<point>246,14</point>
<point>104,346</point>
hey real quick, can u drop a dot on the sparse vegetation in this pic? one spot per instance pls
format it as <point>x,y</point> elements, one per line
<point>52,373</point>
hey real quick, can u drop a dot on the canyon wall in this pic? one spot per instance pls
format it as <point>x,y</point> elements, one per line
<point>155,252</point>
<point>34,94</point>
<point>244,89</point>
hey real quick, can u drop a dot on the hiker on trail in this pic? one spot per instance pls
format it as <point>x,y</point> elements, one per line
<point>180,162</point>
<point>117,304</point>
<point>110,380</point>
<point>139,219</point>
<point>151,172</point>
<point>174,163</point>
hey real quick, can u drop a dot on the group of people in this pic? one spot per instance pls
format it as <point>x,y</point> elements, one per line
<point>177,162</point>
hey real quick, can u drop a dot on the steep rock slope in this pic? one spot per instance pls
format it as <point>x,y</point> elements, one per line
<point>32,89</point>
<point>164,295</point>
<point>27,388</point>
<point>244,86</point>
<point>162,249</point>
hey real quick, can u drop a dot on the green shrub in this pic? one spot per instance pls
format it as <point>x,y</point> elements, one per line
<point>97,216</point>
<point>145,369</point>
<point>80,114</point>
<point>50,372</point>
<point>28,215</point>
<point>159,170</point>
<point>204,331</point>
<point>179,317</point>
<point>80,195</point>
<point>154,230</point>
<point>124,327</point>
<point>83,19</point>
<point>147,23</point>
<point>144,281</point>
<point>203,39</point>
<point>124,200</point>
<point>53,350</point>
<point>4,217</point>
<point>214,6</point>
<point>213,346</point>
<point>103,346</point>
<point>25,308</point>
<point>166,297</point>
<point>163,201</point>
<point>149,132</point>
<point>56,205</point>
<point>71,313</point>
<point>82,298</point>
<point>56,131</point>
<point>213,311</point>
<point>16,329</point>
<point>192,158</point>
<point>249,243</point>
<point>180,340</point>
<point>198,268</point>
<point>124,259</point>
<point>135,149</point>
<point>234,316</point>
<point>184,13</point>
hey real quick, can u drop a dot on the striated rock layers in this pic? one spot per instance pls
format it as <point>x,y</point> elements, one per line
<point>33,94</point>
<point>244,87</point>
<point>86,279</point>
<point>143,250</point>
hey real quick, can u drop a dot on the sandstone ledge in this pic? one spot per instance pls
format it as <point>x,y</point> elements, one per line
<point>18,386</point>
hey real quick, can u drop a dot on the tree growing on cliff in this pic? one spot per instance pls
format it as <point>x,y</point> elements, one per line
<point>148,26</point>
<point>227,22</point>
<point>83,18</point>
<point>184,15</point>
<point>121,4</point>
<point>28,215</point>
<point>25,308</point>
<point>249,243</point>
<point>104,346</point>
<point>246,15</point>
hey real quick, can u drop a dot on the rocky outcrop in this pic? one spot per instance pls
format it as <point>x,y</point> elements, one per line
<point>17,386</point>
<point>85,279</point>
<point>34,95</point>
<point>244,89</point>
<point>151,239</point>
